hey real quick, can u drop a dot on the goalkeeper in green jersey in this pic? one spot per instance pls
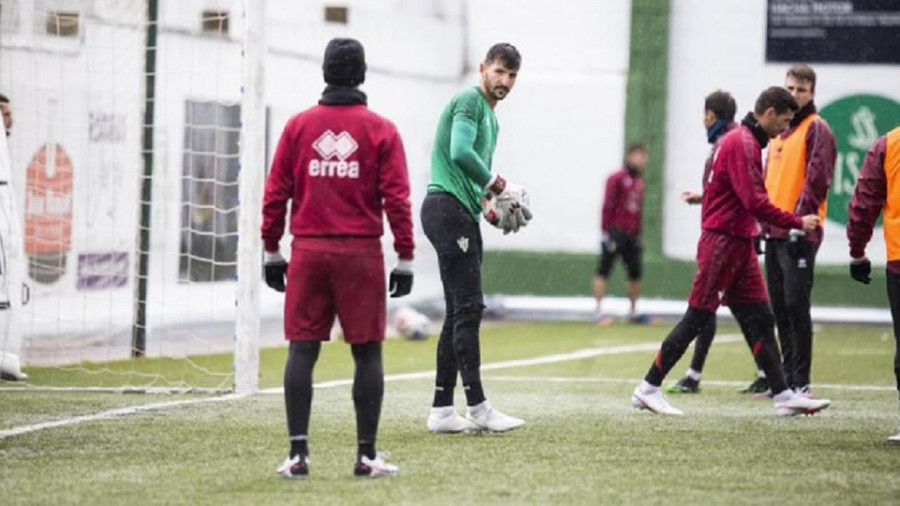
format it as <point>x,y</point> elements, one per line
<point>460,179</point>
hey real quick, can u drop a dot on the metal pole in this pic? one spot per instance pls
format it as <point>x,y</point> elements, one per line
<point>139,326</point>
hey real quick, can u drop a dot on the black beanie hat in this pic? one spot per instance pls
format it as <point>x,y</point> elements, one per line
<point>344,63</point>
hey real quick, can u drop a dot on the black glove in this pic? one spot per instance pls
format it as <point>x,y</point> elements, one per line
<point>860,269</point>
<point>758,244</point>
<point>401,280</point>
<point>275,269</point>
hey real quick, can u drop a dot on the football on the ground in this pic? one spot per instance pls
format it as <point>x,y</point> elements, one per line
<point>410,323</point>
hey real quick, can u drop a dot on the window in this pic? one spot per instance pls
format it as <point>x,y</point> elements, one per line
<point>209,202</point>
<point>215,23</point>
<point>62,23</point>
<point>9,15</point>
<point>336,15</point>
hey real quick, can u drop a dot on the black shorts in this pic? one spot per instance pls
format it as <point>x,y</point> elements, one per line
<point>624,245</point>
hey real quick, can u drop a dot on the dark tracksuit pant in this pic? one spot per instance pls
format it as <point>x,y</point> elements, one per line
<point>789,276</point>
<point>893,290</point>
<point>456,238</point>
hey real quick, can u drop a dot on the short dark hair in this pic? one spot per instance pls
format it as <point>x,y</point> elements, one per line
<point>722,104</point>
<point>777,97</point>
<point>4,99</point>
<point>506,53</point>
<point>803,72</point>
<point>636,146</point>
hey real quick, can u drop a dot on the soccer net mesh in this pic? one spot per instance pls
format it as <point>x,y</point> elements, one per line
<point>125,181</point>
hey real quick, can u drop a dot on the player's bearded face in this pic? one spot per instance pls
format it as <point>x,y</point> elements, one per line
<point>498,80</point>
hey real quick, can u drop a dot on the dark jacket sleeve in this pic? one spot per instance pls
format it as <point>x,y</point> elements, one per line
<point>821,152</point>
<point>746,175</point>
<point>868,199</point>
<point>393,186</point>
<point>279,189</point>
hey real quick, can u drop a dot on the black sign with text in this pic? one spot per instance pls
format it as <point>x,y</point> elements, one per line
<point>833,31</point>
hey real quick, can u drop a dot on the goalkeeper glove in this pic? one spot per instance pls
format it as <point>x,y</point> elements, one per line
<point>513,203</point>
<point>401,280</point>
<point>275,268</point>
<point>860,269</point>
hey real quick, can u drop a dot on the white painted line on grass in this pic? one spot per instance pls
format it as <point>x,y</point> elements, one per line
<point>113,413</point>
<point>715,383</point>
<point>525,362</point>
<point>508,364</point>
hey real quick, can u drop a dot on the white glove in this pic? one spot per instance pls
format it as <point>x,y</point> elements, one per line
<point>514,205</point>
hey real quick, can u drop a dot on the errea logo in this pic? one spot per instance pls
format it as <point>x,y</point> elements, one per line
<point>330,146</point>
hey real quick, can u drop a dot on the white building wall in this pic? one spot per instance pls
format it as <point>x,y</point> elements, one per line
<point>720,44</point>
<point>561,128</point>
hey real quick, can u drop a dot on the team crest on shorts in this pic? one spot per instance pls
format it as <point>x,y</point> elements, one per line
<point>463,244</point>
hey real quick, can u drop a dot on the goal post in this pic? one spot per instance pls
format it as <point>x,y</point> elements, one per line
<point>252,172</point>
<point>138,158</point>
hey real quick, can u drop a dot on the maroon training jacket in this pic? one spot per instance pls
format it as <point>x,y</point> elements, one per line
<point>735,197</point>
<point>868,201</point>
<point>342,166</point>
<point>623,202</point>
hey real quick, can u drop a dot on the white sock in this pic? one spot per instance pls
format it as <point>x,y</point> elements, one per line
<point>647,388</point>
<point>694,375</point>
<point>784,395</point>
<point>761,373</point>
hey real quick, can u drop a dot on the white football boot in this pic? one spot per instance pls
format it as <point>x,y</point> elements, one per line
<point>294,467</point>
<point>374,468</point>
<point>446,420</point>
<point>797,404</point>
<point>895,438</point>
<point>654,402</point>
<point>485,417</point>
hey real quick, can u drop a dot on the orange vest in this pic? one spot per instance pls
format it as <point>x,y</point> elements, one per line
<point>892,204</point>
<point>786,168</point>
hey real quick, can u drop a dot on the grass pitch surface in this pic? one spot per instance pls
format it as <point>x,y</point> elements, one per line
<point>582,444</point>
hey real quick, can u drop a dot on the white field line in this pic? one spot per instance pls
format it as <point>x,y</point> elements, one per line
<point>113,413</point>
<point>715,383</point>
<point>508,364</point>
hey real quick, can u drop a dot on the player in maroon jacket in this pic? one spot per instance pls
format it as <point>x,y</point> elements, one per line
<point>877,193</point>
<point>343,167</point>
<point>620,229</point>
<point>719,109</point>
<point>727,269</point>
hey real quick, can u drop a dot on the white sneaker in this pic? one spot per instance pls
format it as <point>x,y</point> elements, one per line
<point>653,402</point>
<point>895,438</point>
<point>294,467</point>
<point>798,404</point>
<point>446,420</point>
<point>485,417</point>
<point>374,468</point>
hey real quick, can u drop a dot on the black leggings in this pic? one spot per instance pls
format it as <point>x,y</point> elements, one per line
<point>368,388</point>
<point>756,322</point>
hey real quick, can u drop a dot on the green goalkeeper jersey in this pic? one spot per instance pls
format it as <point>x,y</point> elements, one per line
<point>463,148</point>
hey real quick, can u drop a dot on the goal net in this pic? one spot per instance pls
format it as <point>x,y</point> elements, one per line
<point>125,229</point>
